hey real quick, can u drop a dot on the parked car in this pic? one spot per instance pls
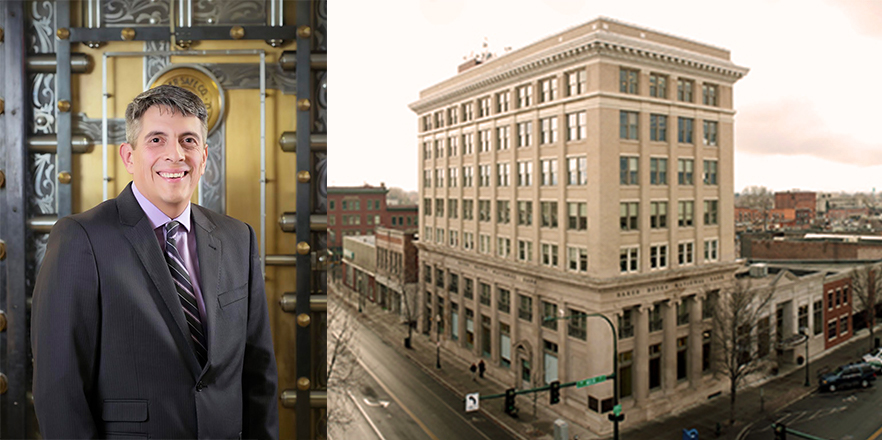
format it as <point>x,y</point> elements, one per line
<point>874,358</point>
<point>859,374</point>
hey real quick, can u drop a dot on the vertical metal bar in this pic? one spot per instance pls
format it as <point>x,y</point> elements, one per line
<point>63,119</point>
<point>263,163</point>
<point>304,265</point>
<point>105,177</point>
<point>16,358</point>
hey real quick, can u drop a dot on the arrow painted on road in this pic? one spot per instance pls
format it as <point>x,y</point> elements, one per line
<point>382,403</point>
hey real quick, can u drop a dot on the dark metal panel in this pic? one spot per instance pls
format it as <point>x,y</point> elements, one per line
<point>15,356</point>
<point>198,33</point>
<point>303,209</point>
<point>63,118</point>
<point>142,33</point>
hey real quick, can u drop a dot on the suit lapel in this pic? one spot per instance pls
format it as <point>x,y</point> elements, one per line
<point>137,230</point>
<point>208,248</point>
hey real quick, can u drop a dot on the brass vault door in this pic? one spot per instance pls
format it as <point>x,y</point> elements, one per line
<point>67,71</point>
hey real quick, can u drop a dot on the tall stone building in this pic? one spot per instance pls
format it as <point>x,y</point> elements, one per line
<point>590,172</point>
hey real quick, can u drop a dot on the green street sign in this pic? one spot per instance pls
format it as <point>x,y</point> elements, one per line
<point>617,410</point>
<point>591,381</point>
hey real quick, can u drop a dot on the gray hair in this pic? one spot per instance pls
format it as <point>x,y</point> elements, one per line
<point>172,98</point>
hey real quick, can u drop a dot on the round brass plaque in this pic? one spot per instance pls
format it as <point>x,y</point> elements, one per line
<point>198,80</point>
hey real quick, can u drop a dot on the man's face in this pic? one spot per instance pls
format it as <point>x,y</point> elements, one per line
<point>168,158</point>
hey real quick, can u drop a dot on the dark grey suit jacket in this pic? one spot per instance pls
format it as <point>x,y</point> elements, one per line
<point>112,356</point>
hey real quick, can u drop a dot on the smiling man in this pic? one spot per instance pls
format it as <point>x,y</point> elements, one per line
<point>149,315</point>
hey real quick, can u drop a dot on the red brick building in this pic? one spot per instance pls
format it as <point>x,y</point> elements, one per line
<point>804,202</point>
<point>359,210</point>
<point>397,268</point>
<point>837,311</point>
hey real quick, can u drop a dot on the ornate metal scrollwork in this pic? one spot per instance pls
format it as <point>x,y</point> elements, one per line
<point>321,97</point>
<point>134,12</point>
<point>243,12</point>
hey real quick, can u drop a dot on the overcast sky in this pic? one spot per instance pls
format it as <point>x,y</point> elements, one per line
<point>809,112</point>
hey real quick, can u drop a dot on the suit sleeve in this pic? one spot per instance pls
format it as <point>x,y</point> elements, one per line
<point>65,322</point>
<point>259,382</point>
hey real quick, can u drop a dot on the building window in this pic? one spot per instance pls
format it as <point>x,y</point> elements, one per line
<point>710,133</point>
<point>427,178</point>
<point>628,125</point>
<point>470,328</point>
<point>658,215</point>
<point>576,126</point>
<point>658,128</point>
<point>330,205</point>
<point>525,130</point>
<point>504,302</point>
<point>548,130</point>
<point>452,177</point>
<point>628,81</point>
<point>577,259</point>
<point>468,143</point>
<point>628,171</point>
<point>838,297</point>
<point>709,94</point>
<point>550,352</point>
<point>628,259</point>
<point>683,311</point>
<point>484,210</point>
<point>685,214</point>
<point>525,250</point>
<point>439,119</point>
<point>845,295</point>
<point>803,317</point>
<point>577,218</point>
<point>439,235</point>
<point>486,343</point>
<point>452,115</point>
<point>439,207</point>
<point>818,317</point>
<point>686,253</point>
<point>658,171</point>
<point>684,90</point>
<point>503,247</point>
<point>549,315</point>
<point>468,288</point>
<point>658,256</point>
<point>658,85</point>
<point>484,298</point>
<point>467,114</point>
<point>504,345</point>
<point>549,214</point>
<point>578,171</point>
<point>711,250</point>
<point>525,173</point>
<point>549,172</point>
<point>503,211</point>
<point>454,238</point>
<point>628,213</point>
<point>502,137</point>
<point>427,206</point>
<point>468,174</point>
<point>549,254</point>
<point>439,148</point>
<point>525,308</point>
<point>502,174</point>
<point>502,102</point>
<point>468,240</point>
<point>484,141</point>
<point>654,366</point>
<point>578,324</point>
<point>843,325</point>
<point>428,234</point>
<point>549,89</point>
<point>709,305</point>
<point>684,130</point>
<point>439,178</point>
<point>454,321</point>
<point>681,357</point>
<point>468,207</point>
<point>483,175</point>
<point>525,96</point>
<point>711,212</point>
<point>427,122</point>
<point>626,380</point>
<point>710,172</point>
<point>452,208</point>
<point>525,213</point>
<point>576,82</point>
<point>831,329</point>
<point>626,324</point>
<point>706,338</point>
<point>484,109</point>
<point>451,146</point>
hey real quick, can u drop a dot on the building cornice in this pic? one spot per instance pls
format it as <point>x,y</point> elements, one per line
<point>599,43</point>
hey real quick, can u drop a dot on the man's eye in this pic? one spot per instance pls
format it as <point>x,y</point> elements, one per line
<point>155,140</point>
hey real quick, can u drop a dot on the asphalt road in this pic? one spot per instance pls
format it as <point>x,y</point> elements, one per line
<point>843,415</point>
<point>401,401</point>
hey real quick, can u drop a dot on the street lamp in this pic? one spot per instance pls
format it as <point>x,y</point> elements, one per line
<point>614,417</point>
<point>804,331</point>
<point>438,342</point>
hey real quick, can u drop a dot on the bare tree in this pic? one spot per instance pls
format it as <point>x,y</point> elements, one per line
<point>865,282</point>
<point>736,341</point>
<point>758,198</point>
<point>409,311</point>
<point>343,368</point>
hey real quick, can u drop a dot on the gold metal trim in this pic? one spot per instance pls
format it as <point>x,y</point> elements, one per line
<point>304,32</point>
<point>303,105</point>
<point>237,32</point>
<point>64,177</point>
<point>62,33</point>
<point>303,248</point>
<point>303,176</point>
<point>303,320</point>
<point>64,106</point>
<point>127,34</point>
<point>303,383</point>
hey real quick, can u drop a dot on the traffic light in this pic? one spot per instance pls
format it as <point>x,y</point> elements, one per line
<point>780,432</point>
<point>555,392</point>
<point>510,408</point>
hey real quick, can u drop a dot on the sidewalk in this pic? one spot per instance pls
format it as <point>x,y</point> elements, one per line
<point>777,393</point>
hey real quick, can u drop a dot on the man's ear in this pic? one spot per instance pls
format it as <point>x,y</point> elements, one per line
<point>126,153</point>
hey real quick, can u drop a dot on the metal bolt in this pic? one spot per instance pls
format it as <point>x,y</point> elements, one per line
<point>237,32</point>
<point>303,383</point>
<point>303,319</point>
<point>64,177</point>
<point>304,32</point>
<point>64,106</point>
<point>127,34</point>
<point>303,177</point>
<point>303,105</point>
<point>62,33</point>
<point>303,248</point>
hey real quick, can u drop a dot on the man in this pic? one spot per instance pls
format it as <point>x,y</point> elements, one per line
<point>149,314</point>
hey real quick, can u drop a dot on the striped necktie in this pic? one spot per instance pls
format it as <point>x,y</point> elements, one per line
<point>186,293</point>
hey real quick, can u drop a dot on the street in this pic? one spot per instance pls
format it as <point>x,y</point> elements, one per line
<point>401,401</point>
<point>843,415</point>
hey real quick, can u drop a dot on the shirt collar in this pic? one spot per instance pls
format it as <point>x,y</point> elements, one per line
<point>156,216</point>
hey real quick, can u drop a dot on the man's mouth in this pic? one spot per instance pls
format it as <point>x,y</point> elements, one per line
<point>172,175</point>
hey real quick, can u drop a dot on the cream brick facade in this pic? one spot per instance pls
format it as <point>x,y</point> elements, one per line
<point>584,263</point>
